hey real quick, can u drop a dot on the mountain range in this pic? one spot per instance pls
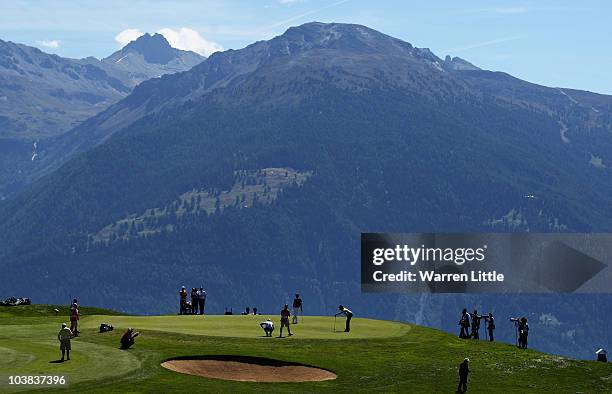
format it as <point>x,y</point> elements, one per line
<point>42,96</point>
<point>254,173</point>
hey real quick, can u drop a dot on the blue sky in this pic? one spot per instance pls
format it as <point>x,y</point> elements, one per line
<point>555,43</point>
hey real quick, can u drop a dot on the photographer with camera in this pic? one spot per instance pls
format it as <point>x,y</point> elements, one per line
<point>523,328</point>
<point>490,325</point>
<point>476,324</point>
<point>522,331</point>
<point>464,323</point>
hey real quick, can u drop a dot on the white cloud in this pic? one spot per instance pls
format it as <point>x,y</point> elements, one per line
<point>190,40</point>
<point>49,44</point>
<point>290,1</point>
<point>127,35</point>
<point>183,38</point>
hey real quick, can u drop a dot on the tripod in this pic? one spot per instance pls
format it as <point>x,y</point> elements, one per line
<point>516,332</point>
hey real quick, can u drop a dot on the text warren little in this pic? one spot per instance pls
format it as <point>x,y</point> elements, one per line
<point>433,276</point>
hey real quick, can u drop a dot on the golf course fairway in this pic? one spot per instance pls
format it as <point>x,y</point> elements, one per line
<point>375,356</point>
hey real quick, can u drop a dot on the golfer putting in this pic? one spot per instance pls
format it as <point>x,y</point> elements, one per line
<point>349,315</point>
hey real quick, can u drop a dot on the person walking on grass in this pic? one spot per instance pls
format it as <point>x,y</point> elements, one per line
<point>64,336</point>
<point>464,371</point>
<point>183,297</point>
<point>201,299</point>
<point>297,308</point>
<point>285,315</point>
<point>349,315</point>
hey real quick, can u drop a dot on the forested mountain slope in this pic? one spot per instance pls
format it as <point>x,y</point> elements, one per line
<point>369,133</point>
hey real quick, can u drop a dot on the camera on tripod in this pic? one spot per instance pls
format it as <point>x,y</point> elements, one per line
<point>522,330</point>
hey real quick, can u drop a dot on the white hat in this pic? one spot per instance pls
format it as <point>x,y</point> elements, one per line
<point>467,360</point>
<point>64,325</point>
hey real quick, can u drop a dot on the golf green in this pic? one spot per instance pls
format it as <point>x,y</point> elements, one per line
<point>375,356</point>
<point>238,326</point>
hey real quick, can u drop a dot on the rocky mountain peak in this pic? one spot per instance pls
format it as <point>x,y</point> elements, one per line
<point>154,48</point>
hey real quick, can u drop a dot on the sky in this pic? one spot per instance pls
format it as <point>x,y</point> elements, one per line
<point>555,43</point>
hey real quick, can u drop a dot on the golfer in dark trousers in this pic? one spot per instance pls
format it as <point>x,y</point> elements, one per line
<point>285,315</point>
<point>464,371</point>
<point>297,308</point>
<point>349,315</point>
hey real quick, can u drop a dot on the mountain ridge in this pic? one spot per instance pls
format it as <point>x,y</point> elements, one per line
<point>44,95</point>
<point>393,143</point>
<point>429,76</point>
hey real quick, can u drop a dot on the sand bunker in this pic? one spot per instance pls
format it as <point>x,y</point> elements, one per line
<point>248,369</point>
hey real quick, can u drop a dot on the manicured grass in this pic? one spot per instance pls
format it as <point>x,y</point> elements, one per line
<point>314,327</point>
<point>393,358</point>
